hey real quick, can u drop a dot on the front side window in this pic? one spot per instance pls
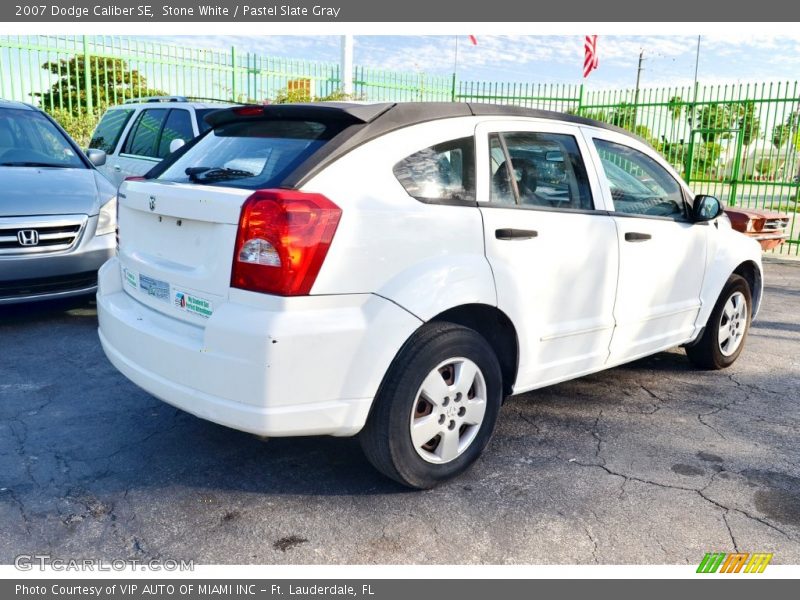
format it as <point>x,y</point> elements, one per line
<point>444,172</point>
<point>108,130</point>
<point>639,185</point>
<point>144,135</point>
<point>29,139</point>
<point>542,170</point>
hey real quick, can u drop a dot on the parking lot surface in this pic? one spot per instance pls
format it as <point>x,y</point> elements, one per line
<point>652,462</point>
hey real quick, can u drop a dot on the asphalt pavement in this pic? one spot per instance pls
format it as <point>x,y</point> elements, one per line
<point>651,463</point>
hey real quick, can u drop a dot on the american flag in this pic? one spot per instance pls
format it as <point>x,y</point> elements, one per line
<point>474,40</point>
<point>590,61</point>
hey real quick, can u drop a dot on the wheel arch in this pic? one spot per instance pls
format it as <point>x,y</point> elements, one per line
<point>497,328</point>
<point>751,273</point>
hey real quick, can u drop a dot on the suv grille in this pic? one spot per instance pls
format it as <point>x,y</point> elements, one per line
<point>29,235</point>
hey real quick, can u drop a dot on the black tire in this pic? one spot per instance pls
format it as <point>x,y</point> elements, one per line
<point>386,438</point>
<point>706,353</point>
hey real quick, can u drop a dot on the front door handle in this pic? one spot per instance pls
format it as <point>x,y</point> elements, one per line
<point>635,236</point>
<point>117,168</point>
<point>515,234</point>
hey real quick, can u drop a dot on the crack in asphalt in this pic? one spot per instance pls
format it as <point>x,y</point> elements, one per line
<point>700,492</point>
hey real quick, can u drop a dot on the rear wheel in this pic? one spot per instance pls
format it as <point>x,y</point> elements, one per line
<point>723,338</point>
<point>436,408</point>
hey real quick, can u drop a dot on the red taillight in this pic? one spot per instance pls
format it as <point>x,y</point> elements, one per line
<point>282,241</point>
<point>135,179</point>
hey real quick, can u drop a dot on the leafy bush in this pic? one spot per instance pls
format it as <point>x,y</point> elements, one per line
<point>79,127</point>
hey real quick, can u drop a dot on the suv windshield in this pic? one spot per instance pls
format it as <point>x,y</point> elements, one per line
<point>249,154</point>
<point>29,139</point>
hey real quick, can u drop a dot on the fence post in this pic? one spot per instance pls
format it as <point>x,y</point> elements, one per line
<point>87,78</point>
<point>736,168</point>
<point>453,90</point>
<point>233,73</point>
<point>580,100</point>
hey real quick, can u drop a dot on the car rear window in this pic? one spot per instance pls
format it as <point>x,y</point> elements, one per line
<point>106,134</point>
<point>250,154</point>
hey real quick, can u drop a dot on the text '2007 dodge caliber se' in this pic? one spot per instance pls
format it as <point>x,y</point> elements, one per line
<point>396,270</point>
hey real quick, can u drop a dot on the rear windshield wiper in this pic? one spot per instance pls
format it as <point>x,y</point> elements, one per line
<point>31,163</point>
<point>203,174</point>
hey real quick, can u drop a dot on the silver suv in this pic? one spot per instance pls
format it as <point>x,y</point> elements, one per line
<point>138,134</point>
<point>57,213</point>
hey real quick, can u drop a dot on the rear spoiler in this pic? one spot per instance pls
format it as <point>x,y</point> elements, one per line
<point>346,112</point>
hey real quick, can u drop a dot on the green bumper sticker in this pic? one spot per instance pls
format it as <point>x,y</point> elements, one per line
<point>130,277</point>
<point>193,304</point>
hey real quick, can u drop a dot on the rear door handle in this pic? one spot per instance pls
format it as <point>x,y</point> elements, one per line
<point>515,234</point>
<point>635,236</point>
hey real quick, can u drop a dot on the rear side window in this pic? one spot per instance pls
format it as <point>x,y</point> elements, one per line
<point>107,133</point>
<point>442,173</point>
<point>144,135</point>
<point>250,154</point>
<point>178,126</point>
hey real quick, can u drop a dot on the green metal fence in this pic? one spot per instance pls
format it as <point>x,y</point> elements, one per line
<point>738,142</point>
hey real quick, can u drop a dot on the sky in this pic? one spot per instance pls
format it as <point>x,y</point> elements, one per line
<point>668,60</point>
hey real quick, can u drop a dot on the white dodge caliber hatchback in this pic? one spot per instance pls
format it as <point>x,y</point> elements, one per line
<point>396,270</point>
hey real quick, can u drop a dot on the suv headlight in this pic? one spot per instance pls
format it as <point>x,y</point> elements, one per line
<point>107,219</point>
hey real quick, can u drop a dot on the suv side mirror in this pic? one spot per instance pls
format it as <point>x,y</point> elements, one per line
<point>96,157</point>
<point>176,144</point>
<point>706,208</point>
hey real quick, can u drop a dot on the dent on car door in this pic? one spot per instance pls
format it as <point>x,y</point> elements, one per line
<point>552,248</point>
<point>662,252</point>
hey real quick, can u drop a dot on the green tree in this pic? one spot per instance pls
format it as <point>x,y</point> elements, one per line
<point>749,123</point>
<point>624,115</point>
<point>286,96</point>
<point>711,117</point>
<point>111,81</point>
<point>781,133</point>
<point>675,106</point>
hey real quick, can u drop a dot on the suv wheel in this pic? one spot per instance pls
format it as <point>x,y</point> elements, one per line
<point>723,338</point>
<point>436,408</point>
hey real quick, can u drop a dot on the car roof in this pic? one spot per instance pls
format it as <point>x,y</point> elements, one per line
<point>361,122</point>
<point>366,122</point>
<point>17,105</point>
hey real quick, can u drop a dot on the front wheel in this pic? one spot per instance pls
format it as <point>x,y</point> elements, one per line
<point>723,338</point>
<point>436,408</point>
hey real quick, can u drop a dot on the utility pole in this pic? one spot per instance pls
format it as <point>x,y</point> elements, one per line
<point>346,66</point>
<point>636,94</point>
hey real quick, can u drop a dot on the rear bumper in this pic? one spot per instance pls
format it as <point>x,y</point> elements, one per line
<point>273,367</point>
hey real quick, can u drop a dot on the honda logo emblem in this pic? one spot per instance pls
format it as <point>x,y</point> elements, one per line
<point>28,237</point>
<point>152,202</point>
